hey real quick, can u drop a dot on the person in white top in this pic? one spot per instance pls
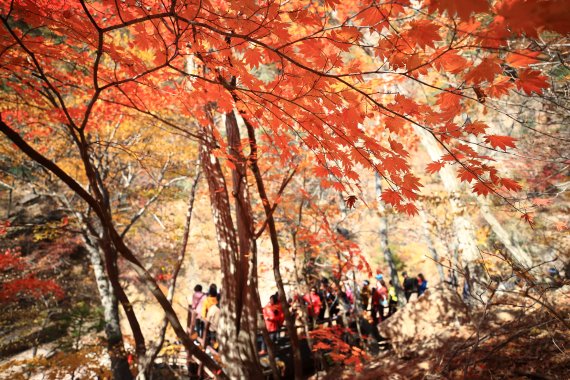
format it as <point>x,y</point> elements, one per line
<point>212,320</point>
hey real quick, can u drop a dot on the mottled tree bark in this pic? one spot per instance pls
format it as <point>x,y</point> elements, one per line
<point>238,312</point>
<point>119,365</point>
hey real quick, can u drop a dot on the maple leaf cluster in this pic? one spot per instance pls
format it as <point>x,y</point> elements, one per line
<point>16,281</point>
<point>330,77</point>
<point>329,341</point>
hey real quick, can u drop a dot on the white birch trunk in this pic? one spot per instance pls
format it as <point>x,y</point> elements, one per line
<point>475,277</point>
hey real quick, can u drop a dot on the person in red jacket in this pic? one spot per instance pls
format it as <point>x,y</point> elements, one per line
<point>314,305</point>
<point>273,315</point>
<point>274,318</point>
<point>379,299</point>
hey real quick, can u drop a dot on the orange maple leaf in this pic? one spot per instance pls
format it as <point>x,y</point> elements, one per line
<point>450,61</point>
<point>561,226</point>
<point>522,58</point>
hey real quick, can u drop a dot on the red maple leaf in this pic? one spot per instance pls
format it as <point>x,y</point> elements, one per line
<point>485,71</point>
<point>391,197</point>
<point>501,142</point>
<point>350,200</point>
<point>463,9</point>
<point>435,166</point>
<point>408,208</point>
<point>531,81</point>
<point>476,128</point>
<point>466,175</point>
<point>481,188</point>
<point>528,218</point>
<point>510,184</point>
<point>424,33</point>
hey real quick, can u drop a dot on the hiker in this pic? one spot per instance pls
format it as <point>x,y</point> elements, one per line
<point>197,301</point>
<point>344,304</point>
<point>366,328</point>
<point>212,320</point>
<point>294,305</point>
<point>374,305</point>
<point>314,305</point>
<point>325,296</point>
<point>333,300</point>
<point>422,284</point>
<point>211,300</point>
<point>379,297</point>
<point>392,299</point>
<point>410,286</point>
<point>383,296</point>
<point>554,277</point>
<point>365,295</point>
<point>273,316</point>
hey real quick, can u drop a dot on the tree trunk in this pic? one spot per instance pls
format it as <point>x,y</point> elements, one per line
<point>237,330</point>
<point>289,318</point>
<point>383,232</point>
<point>107,295</point>
<point>119,364</point>
<point>110,232</point>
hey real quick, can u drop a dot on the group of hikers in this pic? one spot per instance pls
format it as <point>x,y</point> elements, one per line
<point>327,301</point>
<point>204,314</point>
<point>379,301</point>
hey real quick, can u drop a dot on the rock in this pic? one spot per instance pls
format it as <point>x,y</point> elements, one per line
<point>427,323</point>
<point>19,340</point>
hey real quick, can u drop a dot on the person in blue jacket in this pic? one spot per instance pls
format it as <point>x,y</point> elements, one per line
<point>422,284</point>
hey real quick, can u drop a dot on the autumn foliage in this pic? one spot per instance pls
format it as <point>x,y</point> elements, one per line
<point>323,80</point>
<point>337,89</point>
<point>18,280</point>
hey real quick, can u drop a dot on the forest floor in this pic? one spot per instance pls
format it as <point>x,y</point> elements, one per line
<point>436,337</point>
